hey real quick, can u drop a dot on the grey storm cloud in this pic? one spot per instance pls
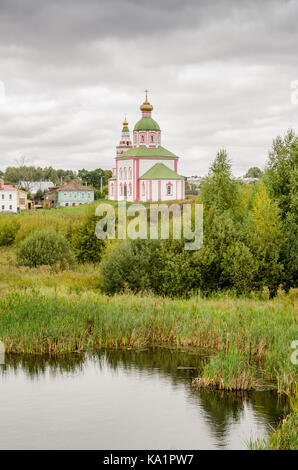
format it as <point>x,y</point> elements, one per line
<point>219,75</point>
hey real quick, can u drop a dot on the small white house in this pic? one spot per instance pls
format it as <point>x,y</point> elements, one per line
<point>9,198</point>
<point>13,199</point>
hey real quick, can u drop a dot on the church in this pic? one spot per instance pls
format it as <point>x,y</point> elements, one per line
<point>145,171</point>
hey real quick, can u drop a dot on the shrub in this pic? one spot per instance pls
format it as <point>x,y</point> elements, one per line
<point>45,247</point>
<point>129,265</point>
<point>87,247</point>
<point>8,230</point>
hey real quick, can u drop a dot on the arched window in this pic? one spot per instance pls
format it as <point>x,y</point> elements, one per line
<point>152,138</point>
<point>143,189</point>
<point>125,173</point>
<point>143,138</point>
<point>129,173</point>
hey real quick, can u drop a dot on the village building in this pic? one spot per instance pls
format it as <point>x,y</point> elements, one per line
<point>69,194</point>
<point>12,199</point>
<point>145,171</point>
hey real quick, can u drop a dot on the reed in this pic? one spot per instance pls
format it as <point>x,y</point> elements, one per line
<point>231,371</point>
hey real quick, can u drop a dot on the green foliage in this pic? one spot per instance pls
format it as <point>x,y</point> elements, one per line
<point>253,172</point>
<point>96,178</point>
<point>228,371</point>
<point>8,230</point>
<point>87,247</point>
<point>45,247</point>
<point>219,189</point>
<point>129,266</point>
<point>239,267</point>
<point>283,159</point>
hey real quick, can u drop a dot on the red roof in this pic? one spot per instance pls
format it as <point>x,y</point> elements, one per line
<point>8,187</point>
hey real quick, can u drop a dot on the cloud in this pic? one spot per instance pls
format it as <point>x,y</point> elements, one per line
<point>219,75</point>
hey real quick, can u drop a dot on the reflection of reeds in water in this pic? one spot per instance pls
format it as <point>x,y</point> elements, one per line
<point>219,407</point>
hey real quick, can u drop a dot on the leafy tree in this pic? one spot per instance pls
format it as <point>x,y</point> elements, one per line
<point>239,267</point>
<point>219,188</point>
<point>253,172</point>
<point>282,161</point>
<point>264,236</point>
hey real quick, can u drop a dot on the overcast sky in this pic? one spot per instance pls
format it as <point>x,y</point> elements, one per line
<point>219,75</point>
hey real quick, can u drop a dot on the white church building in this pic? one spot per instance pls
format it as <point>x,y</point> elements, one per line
<point>145,171</point>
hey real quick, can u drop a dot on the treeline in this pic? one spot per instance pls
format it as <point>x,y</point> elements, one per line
<point>96,178</point>
<point>250,237</point>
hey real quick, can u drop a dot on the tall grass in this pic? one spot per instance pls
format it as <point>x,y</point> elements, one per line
<point>228,371</point>
<point>54,321</point>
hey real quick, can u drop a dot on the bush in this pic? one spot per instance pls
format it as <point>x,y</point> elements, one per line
<point>129,265</point>
<point>45,247</point>
<point>8,230</point>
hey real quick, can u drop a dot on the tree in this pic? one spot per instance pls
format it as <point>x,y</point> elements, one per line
<point>282,161</point>
<point>219,188</point>
<point>264,236</point>
<point>253,172</point>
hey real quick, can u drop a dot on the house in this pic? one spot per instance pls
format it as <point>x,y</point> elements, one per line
<point>145,171</point>
<point>12,199</point>
<point>69,194</point>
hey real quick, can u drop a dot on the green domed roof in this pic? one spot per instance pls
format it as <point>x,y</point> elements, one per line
<point>146,124</point>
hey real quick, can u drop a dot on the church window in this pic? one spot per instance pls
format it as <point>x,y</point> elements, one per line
<point>152,138</point>
<point>143,138</point>
<point>125,173</point>
<point>143,189</point>
<point>120,174</point>
<point>169,189</point>
<point>129,173</point>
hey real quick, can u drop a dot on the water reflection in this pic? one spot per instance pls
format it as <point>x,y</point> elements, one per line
<point>128,399</point>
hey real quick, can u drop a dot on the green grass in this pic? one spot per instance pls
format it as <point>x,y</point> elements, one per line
<point>228,371</point>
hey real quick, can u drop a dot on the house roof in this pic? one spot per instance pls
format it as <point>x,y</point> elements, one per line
<point>147,152</point>
<point>72,186</point>
<point>8,187</point>
<point>160,171</point>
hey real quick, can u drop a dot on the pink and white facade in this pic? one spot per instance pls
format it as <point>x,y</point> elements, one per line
<point>145,171</point>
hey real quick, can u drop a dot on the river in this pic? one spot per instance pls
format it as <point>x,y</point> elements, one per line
<point>126,400</point>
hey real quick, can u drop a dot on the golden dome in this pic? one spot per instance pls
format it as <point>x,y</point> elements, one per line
<point>146,106</point>
<point>125,123</point>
